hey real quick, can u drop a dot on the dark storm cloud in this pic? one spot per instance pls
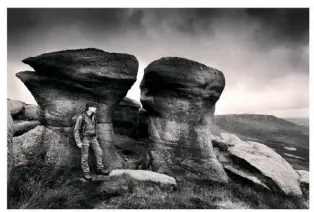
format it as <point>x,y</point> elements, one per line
<point>93,20</point>
<point>290,24</point>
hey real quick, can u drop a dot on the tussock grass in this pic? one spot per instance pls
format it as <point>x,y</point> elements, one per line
<point>45,187</point>
<point>204,195</point>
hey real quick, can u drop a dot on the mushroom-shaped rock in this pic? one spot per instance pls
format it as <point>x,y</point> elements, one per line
<point>179,96</point>
<point>64,81</point>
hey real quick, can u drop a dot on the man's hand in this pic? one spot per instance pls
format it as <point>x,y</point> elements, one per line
<point>80,145</point>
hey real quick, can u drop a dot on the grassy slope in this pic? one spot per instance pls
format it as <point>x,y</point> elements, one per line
<point>299,121</point>
<point>45,187</point>
<point>274,132</point>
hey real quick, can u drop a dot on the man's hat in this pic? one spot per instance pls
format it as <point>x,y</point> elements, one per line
<point>90,104</point>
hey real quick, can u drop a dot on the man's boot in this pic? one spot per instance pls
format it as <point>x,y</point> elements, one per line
<point>103,171</point>
<point>87,176</point>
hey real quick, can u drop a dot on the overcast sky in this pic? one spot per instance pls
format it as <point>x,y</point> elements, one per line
<point>264,53</point>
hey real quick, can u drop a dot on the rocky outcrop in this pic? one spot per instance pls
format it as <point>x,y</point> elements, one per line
<point>24,126</point>
<point>44,146</point>
<point>29,113</point>
<point>125,117</point>
<point>64,81</point>
<point>179,96</point>
<point>15,106</point>
<point>10,155</point>
<point>22,111</point>
<point>261,162</point>
<point>134,152</point>
<point>24,116</point>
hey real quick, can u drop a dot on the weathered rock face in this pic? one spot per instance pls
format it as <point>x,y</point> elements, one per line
<point>15,106</point>
<point>142,126</point>
<point>64,81</point>
<point>10,155</point>
<point>179,96</point>
<point>24,116</point>
<point>24,126</point>
<point>260,162</point>
<point>42,145</point>
<point>29,113</point>
<point>125,117</point>
<point>245,178</point>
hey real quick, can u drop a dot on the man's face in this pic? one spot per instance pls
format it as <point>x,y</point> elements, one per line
<point>92,109</point>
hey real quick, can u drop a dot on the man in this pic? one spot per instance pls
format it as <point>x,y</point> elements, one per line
<point>85,136</point>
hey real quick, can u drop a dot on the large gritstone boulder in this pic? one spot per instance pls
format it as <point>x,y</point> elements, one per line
<point>64,81</point>
<point>252,160</point>
<point>179,96</point>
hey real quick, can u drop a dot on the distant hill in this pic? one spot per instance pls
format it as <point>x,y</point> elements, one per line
<point>275,132</point>
<point>299,121</point>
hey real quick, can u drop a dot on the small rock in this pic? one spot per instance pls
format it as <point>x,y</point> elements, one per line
<point>145,176</point>
<point>230,139</point>
<point>220,144</point>
<point>304,177</point>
